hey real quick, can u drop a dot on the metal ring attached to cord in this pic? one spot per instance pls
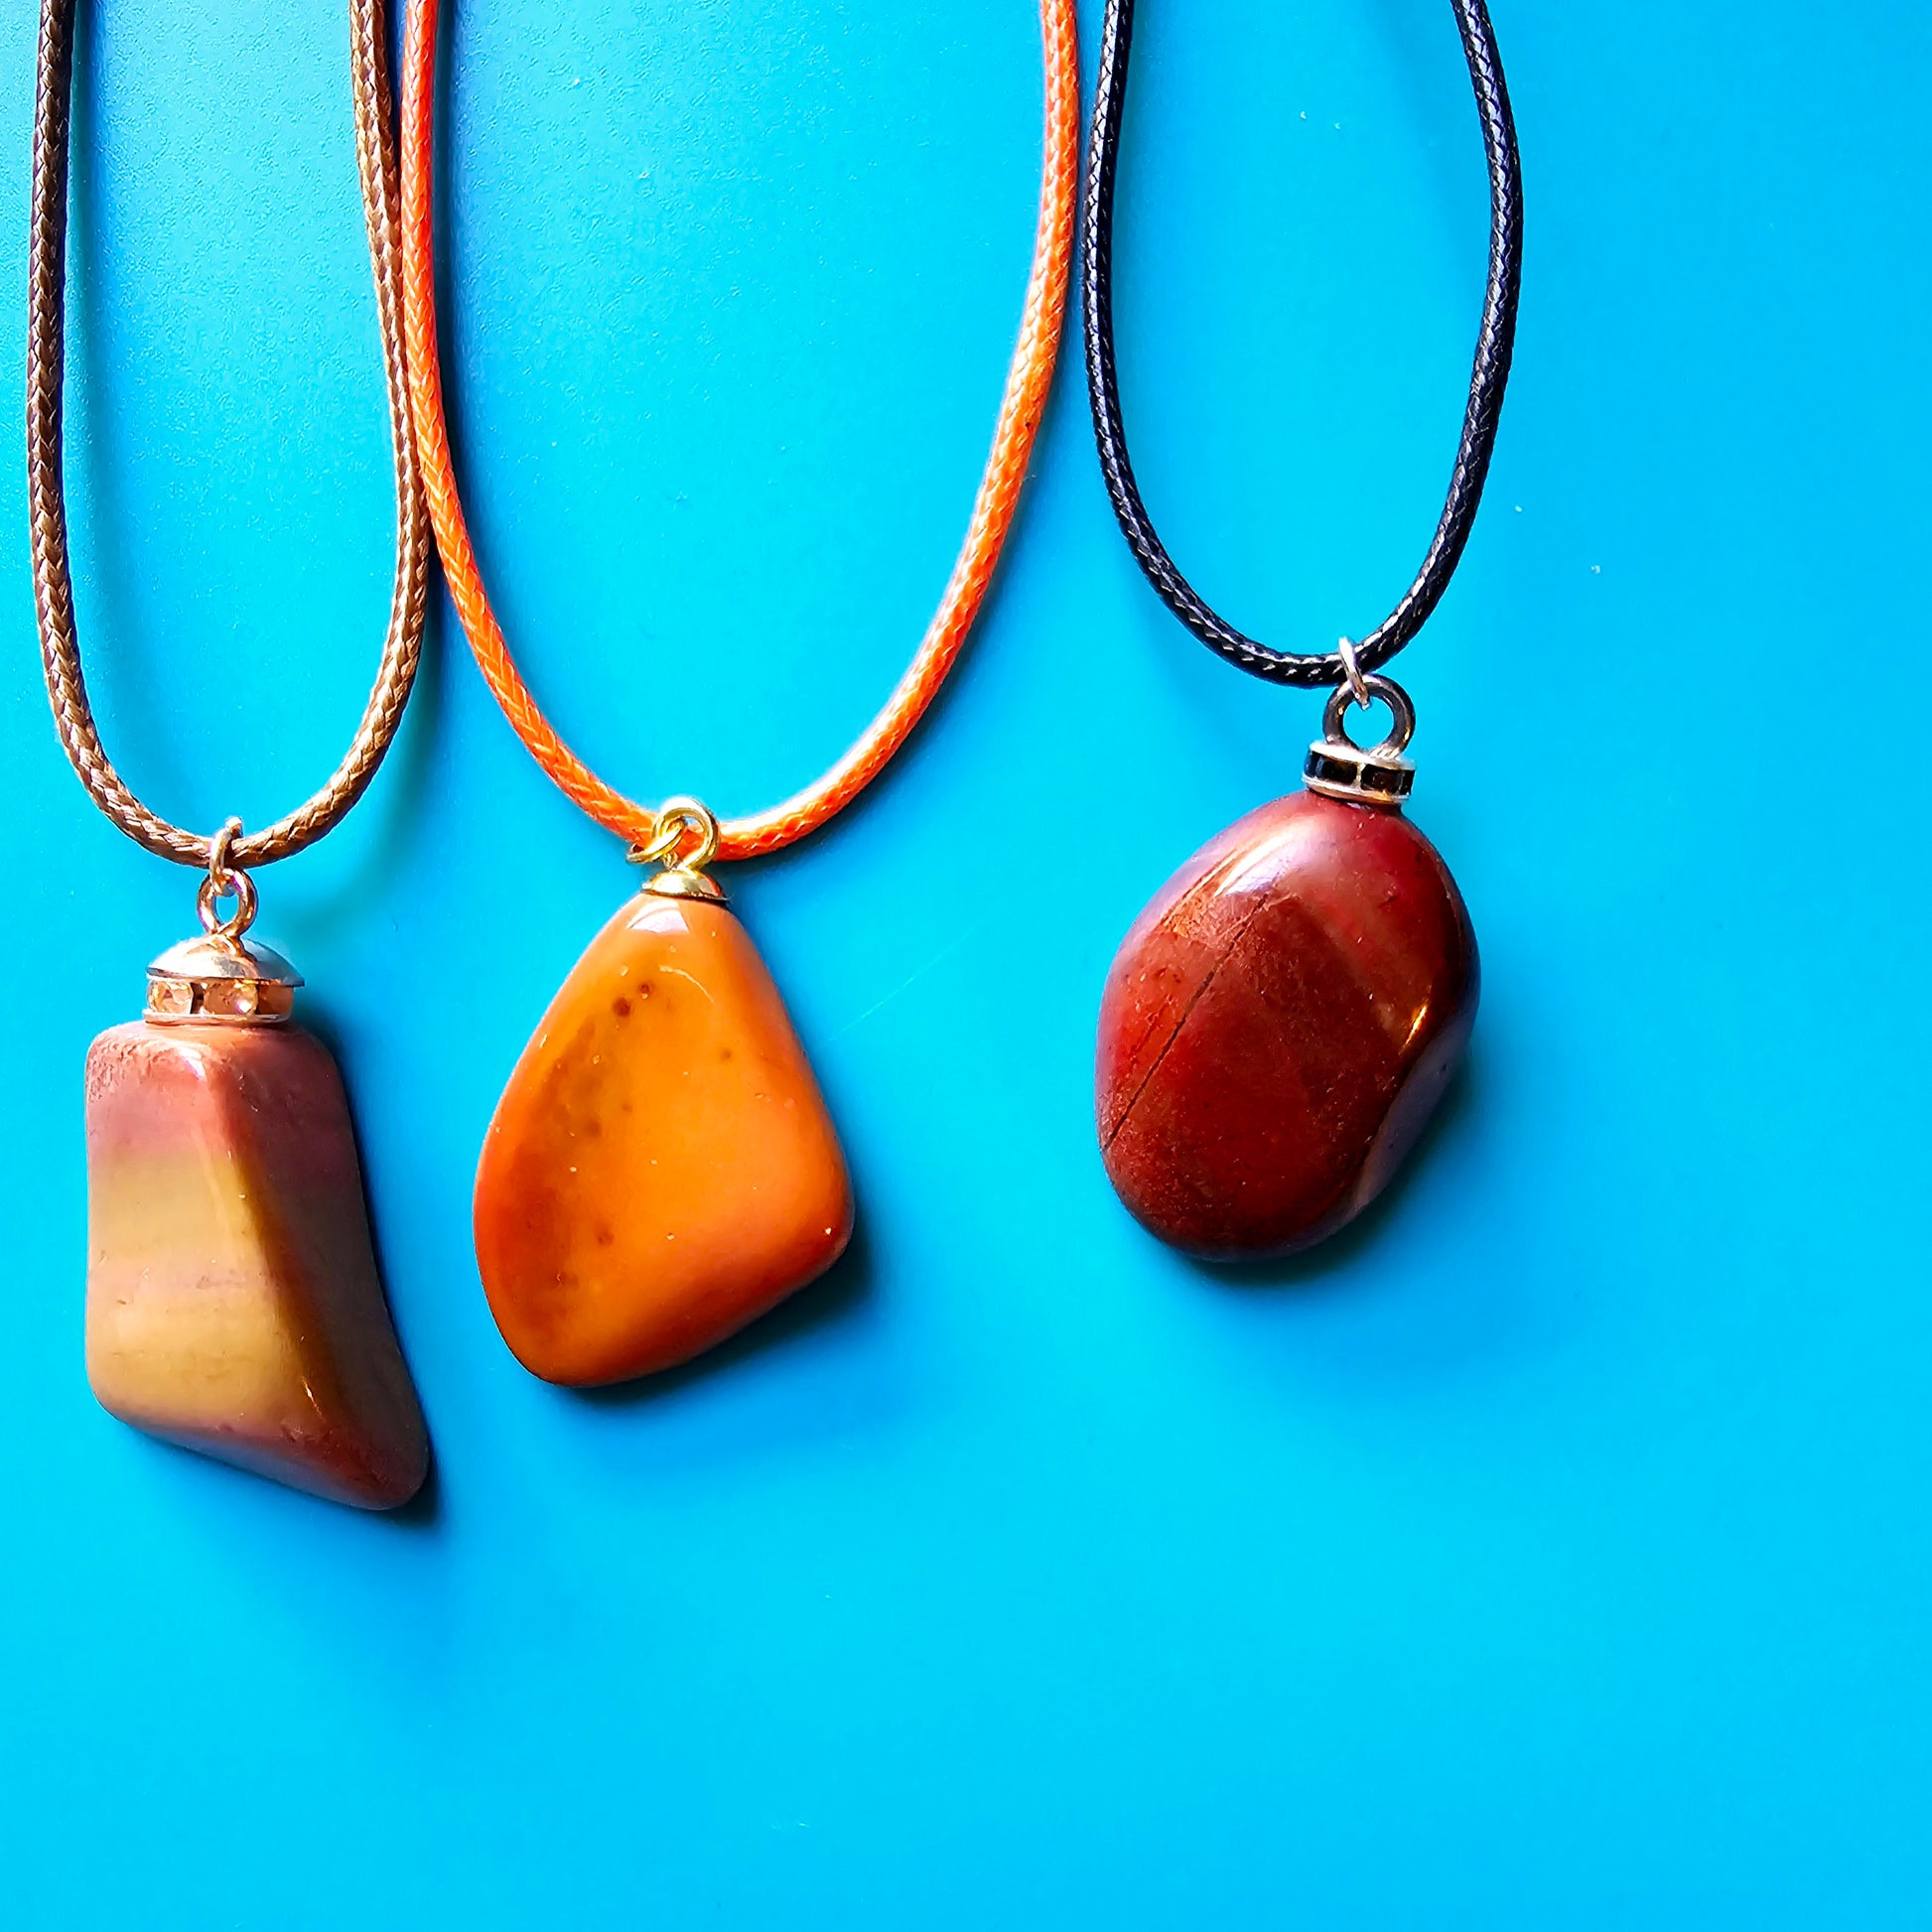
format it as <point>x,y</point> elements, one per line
<point>680,820</point>
<point>1364,775</point>
<point>1402,715</point>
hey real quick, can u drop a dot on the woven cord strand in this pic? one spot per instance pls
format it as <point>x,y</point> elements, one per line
<point>1495,342</point>
<point>67,689</point>
<point>1021,408</point>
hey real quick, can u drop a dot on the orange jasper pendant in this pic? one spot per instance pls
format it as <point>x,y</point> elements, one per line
<point>232,1298</point>
<point>662,1169</point>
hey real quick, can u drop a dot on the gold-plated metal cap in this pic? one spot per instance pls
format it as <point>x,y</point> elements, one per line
<point>679,882</point>
<point>222,981</point>
<point>1376,774</point>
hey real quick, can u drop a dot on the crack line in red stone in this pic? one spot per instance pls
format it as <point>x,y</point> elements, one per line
<point>1194,1000</point>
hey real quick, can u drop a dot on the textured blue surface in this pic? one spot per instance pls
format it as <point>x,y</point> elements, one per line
<point>1552,1553</point>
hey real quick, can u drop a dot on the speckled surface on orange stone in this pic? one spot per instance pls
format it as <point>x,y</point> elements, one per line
<point>662,1169</point>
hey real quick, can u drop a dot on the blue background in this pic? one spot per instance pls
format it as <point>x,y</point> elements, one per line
<point>1551,1552</point>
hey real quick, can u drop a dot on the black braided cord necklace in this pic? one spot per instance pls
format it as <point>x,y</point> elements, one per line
<point>1282,1020</point>
<point>1495,344</point>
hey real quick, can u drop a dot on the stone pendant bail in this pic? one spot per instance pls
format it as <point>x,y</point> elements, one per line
<point>222,978</point>
<point>1375,775</point>
<point>685,842</point>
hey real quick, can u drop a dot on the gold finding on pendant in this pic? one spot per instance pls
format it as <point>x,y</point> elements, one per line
<point>686,840</point>
<point>221,979</point>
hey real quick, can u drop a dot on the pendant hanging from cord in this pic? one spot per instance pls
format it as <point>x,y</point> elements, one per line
<point>1282,1020</point>
<point>234,1305</point>
<point>662,1167</point>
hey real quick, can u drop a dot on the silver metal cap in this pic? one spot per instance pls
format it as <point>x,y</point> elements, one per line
<point>1363,778</point>
<point>1375,775</point>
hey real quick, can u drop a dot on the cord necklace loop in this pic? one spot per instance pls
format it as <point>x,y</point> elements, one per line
<point>1489,376</point>
<point>66,688</point>
<point>1021,406</point>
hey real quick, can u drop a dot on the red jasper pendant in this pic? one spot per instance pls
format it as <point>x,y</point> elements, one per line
<point>1282,1020</point>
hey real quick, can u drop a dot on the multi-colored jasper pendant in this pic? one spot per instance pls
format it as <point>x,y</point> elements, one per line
<point>662,1169</point>
<point>234,1305</point>
<point>1282,1020</point>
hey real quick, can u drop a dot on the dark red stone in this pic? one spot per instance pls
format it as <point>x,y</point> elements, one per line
<point>1279,1026</point>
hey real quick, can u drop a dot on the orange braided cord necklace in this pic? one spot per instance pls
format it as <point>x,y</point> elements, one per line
<point>1021,408</point>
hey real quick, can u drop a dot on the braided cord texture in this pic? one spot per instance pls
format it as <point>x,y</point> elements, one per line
<point>375,156</point>
<point>1489,376</point>
<point>1020,409</point>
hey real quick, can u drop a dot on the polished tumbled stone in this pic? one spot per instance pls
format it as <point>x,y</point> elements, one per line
<point>662,1167</point>
<point>1279,1026</point>
<point>234,1305</point>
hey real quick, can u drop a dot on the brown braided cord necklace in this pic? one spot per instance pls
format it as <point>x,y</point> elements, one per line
<point>233,1302</point>
<point>67,689</point>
